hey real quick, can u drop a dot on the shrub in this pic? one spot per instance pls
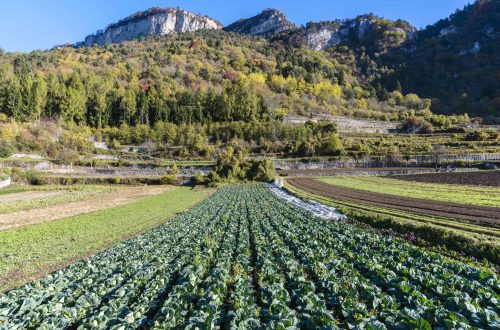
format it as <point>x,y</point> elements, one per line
<point>199,179</point>
<point>261,170</point>
<point>5,151</point>
<point>477,136</point>
<point>169,179</point>
<point>34,178</point>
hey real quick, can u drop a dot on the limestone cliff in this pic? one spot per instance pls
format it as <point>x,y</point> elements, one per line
<point>267,23</point>
<point>369,31</point>
<point>155,21</point>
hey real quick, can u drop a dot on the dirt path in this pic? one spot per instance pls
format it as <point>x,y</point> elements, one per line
<point>476,214</point>
<point>119,197</point>
<point>30,195</point>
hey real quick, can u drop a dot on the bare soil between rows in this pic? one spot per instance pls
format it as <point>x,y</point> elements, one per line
<point>121,196</point>
<point>482,215</point>
<point>487,178</point>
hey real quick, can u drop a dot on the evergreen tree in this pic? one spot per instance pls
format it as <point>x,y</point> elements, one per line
<point>39,96</point>
<point>75,100</point>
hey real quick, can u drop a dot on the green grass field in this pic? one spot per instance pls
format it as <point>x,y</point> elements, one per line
<point>485,196</point>
<point>32,252</point>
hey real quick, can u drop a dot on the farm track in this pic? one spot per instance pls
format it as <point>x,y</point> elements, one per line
<point>246,259</point>
<point>489,178</point>
<point>475,214</point>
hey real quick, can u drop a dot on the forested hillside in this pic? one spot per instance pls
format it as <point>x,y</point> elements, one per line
<point>208,76</point>
<point>194,90</point>
<point>455,62</point>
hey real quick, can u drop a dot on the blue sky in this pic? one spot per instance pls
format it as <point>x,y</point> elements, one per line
<point>26,25</point>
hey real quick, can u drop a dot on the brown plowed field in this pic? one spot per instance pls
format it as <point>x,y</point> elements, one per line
<point>487,178</point>
<point>341,171</point>
<point>476,214</point>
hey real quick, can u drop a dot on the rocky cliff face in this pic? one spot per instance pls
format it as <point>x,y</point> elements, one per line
<point>368,31</point>
<point>267,23</point>
<point>155,21</point>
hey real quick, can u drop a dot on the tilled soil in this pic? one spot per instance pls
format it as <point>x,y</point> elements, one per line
<point>487,178</point>
<point>121,196</point>
<point>30,195</point>
<point>482,215</point>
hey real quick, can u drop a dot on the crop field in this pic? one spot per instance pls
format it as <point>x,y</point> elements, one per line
<point>33,251</point>
<point>246,259</point>
<point>474,195</point>
<point>456,232</point>
<point>12,190</point>
<point>489,178</point>
<point>482,215</point>
<point>21,199</point>
<point>40,206</point>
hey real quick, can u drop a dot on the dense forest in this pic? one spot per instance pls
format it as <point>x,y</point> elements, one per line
<point>455,62</point>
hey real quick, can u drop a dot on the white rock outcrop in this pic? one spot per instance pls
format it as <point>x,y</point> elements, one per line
<point>155,21</point>
<point>267,23</point>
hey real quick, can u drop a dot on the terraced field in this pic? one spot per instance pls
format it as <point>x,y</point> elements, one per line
<point>354,171</point>
<point>246,259</point>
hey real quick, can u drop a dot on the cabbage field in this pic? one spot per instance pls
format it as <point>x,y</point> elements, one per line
<point>246,259</point>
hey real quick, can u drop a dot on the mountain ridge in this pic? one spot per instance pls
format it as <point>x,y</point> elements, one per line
<point>453,62</point>
<point>269,22</point>
<point>154,21</point>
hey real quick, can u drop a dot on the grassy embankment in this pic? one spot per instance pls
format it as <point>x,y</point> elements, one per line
<point>32,252</point>
<point>474,195</point>
<point>457,238</point>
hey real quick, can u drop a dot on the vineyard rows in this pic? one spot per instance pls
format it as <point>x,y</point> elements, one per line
<point>247,259</point>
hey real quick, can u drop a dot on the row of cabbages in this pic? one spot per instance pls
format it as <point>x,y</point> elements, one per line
<point>247,258</point>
